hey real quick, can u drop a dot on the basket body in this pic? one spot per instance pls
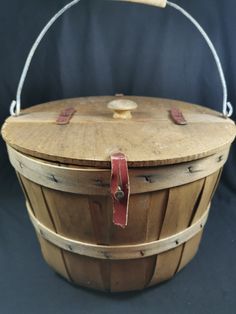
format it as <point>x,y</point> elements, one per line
<point>88,218</point>
<point>66,174</point>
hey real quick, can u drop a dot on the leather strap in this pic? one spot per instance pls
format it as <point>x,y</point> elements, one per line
<point>120,189</point>
<point>66,115</point>
<point>177,116</point>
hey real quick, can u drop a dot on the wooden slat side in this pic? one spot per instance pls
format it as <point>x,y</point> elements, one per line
<point>191,247</point>
<point>178,213</point>
<point>157,210</point>
<point>145,219</point>
<point>52,254</point>
<point>146,214</point>
<point>135,232</point>
<point>128,275</point>
<point>48,249</point>
<point>131,274</point>
<point>19,176</point>
<point>85,271</point>
<point>101,218</point>
<point>71,214</point>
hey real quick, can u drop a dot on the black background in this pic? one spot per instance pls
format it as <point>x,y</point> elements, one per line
<point>103,48</point>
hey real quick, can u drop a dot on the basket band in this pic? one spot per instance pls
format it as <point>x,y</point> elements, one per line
<point>81,180</point>
<point>118,252</point>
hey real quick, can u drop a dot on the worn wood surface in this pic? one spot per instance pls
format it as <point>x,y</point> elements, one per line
<point>88,218</point>
<point>64,171</point>
<point>190,248</point>
<point>150,138</point>
<point>53,255</point>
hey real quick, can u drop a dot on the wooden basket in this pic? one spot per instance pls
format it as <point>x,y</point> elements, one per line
<point>118,203</point>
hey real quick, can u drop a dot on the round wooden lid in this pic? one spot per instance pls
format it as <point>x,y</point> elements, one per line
<point>139,127</point>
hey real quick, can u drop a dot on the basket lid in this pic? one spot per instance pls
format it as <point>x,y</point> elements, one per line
<point>148,136</point>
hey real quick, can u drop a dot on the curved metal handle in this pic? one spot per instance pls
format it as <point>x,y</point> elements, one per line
<point>227,110</point>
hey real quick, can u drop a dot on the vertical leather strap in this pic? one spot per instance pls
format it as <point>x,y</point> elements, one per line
<point>120,189</point>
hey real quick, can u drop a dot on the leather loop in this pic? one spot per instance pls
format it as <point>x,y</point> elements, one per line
<point>65,116</point>
<point>120,189</point>
<point>177,116</point>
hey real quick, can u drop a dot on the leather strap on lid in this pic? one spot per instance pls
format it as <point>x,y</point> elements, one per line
<point>65,116</point>
<point>120,189</point>
<point>177,116</point>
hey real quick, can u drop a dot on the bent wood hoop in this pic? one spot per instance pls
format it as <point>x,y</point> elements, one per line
<point>94,181</point>
<point>122,252</point>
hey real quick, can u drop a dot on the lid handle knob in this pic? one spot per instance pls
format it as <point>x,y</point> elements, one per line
<point>122,108</point>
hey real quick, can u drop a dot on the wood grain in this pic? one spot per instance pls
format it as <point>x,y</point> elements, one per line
<point>178,213</point>
<point>191,248</point>
<point>93,181</point>
<point>152,216</point>
<point>52,254</point>
<point>118,252</point>
<point>150,138</point>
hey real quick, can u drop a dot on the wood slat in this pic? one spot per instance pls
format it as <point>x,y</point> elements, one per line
<point>70,214</point>
<point>72,217</point>
<point>191,247</point>
<point>85,271</point>
<point>52,254</point>
<point>146,212</point>
<point>152,216</point>
<point>178,214</point>
<point>101,218</point>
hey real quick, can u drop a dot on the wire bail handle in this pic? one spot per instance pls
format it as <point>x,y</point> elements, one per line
<point>227,108</point>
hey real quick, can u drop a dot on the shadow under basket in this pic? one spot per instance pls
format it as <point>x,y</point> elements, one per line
<point>118,204</point>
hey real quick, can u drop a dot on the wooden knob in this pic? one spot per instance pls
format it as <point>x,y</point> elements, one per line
<point>157,3</point>
<point>122,108</point>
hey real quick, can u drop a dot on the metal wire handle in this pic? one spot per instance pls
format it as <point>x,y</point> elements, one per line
<point>15,107</point>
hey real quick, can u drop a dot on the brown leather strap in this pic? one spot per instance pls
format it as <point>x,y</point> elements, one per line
<point>66,115</point>
<point>177,116</point>
<point>120,189</point>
